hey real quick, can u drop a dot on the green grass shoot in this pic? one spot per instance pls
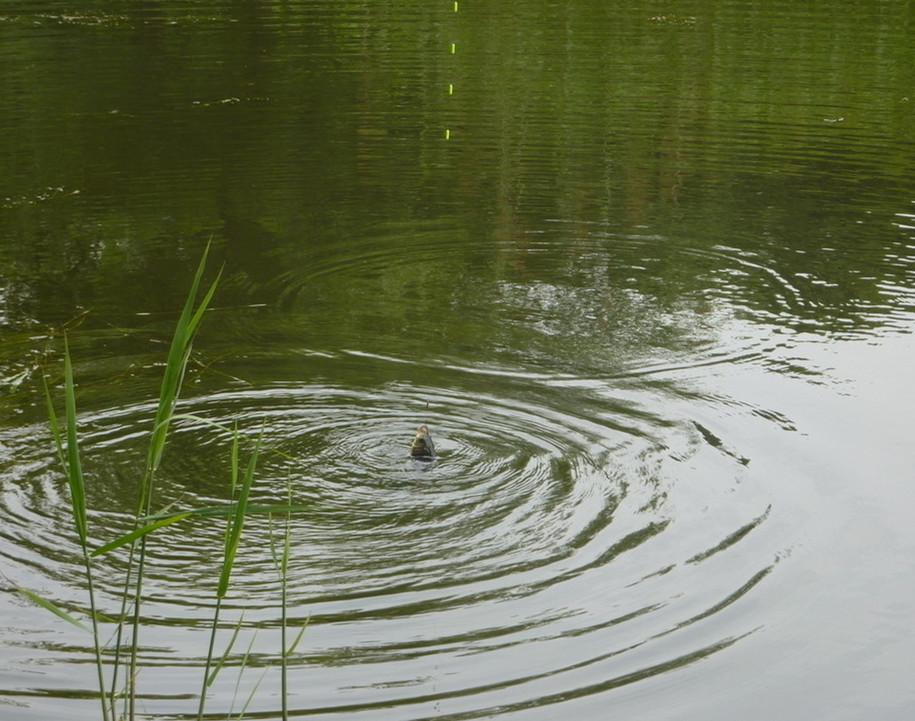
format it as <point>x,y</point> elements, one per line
<point>52,607</point>
<point>139,533</point>
<point>72,468</point>
<point>235,524</point>
<point>222,660</point>
<point>175,367</point>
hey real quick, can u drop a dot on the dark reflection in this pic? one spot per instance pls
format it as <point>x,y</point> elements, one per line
<point>288,133</point>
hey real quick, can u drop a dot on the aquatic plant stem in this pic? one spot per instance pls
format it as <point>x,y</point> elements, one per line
<point>283,621</point>
<point>120,632</point>
<point>206,671</point>
<point>98,652</point>
<point>135,635</point>
<point>172,379</point>
<point>72,467</point>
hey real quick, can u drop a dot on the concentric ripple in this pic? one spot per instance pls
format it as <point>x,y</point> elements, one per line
<point>550,541</point>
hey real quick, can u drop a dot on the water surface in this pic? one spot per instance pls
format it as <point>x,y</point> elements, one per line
<point>654,296</point>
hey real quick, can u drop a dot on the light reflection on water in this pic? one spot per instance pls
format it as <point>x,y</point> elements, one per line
<point>655,305</point>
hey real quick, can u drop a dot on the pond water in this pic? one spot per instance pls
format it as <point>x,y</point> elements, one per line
<point>644,268</point>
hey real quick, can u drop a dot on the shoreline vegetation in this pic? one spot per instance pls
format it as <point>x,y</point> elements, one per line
<point>120,661</point>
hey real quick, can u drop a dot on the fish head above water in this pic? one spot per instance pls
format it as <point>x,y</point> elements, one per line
<point>422,446</point>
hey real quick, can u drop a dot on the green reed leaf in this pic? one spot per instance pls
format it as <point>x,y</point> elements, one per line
<point>176,364</point>
<point>241,671</point>
<point>231,509</point>
<point>298,638</point>
<point>238,522</point>
<point>244,708</point>
<point>53,608</point>
<point>74,468</point>
<point>285,564</point>
<point>234,460</point>
<point>272,537</point>
<point>52,421</point>
<point>225,655</point>
<point>138,533</point>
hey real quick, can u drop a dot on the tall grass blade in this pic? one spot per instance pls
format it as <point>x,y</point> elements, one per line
<point>251,696</point>
<point>74,468</point>
<point>237,522</point>
<point>241,671</point>
<point>298,638</point>
<point>175,367</point>
<point>52,421</point>
<point>139,533</point>
<point>53,608</point>
<point>283,568</point>
<point>225,655</point>
<point>231,509</point>
<point>177,362</point>
<point>273,554</point>
<point>234,461</point>
<point>76,482</point>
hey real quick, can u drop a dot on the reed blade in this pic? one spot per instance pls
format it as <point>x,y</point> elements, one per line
<point>225,655</point>
<point>238,522</point>
<point>244,708</point>
<point>231,509</point>
<point>241,671</point>
<point>139,533</point>
<point>234,460</point>
<point>52,607</point>
<point>175,367</point>
<point>298,638</point>
<point>176,364</point>
<point>74,468</point>
<point>52,421</point>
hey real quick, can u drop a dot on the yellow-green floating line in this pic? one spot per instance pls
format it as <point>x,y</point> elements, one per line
<point>453,48</point>
<point>447,134</point>
<point>455,5</point>
<point>450,88</point>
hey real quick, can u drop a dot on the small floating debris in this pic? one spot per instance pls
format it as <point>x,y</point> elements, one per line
<point>673,19</point>
<point>43,196</point>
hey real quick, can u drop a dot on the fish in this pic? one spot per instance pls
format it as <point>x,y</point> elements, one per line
<point>422,446</point>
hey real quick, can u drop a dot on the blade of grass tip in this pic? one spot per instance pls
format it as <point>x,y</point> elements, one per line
<point>52,421</point>
<point>231,545</point>
<point>234,459</point>
<point>177,361</point>
<point>139,533</point>
<point>230,509</point>
<point>283,692</point>
<point>178,354</point>
<point>78,500</point>
<point>271,536</point>
<point>175,368</point>
<point>225,655</point>
<point>284,568</point>
<point>251,696</point>
<point>75,471</point>
<point>206,668</point>
<point>238,523</point>
<point>285,565</point>
<point>298,638</point>
<point>241,671</point>
<point>53,608</point>
<point>166,510</point>
<point>233,480</point>
<point>205,302</point>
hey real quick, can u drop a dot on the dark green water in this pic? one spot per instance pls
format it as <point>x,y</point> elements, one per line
<point>654,297</point>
